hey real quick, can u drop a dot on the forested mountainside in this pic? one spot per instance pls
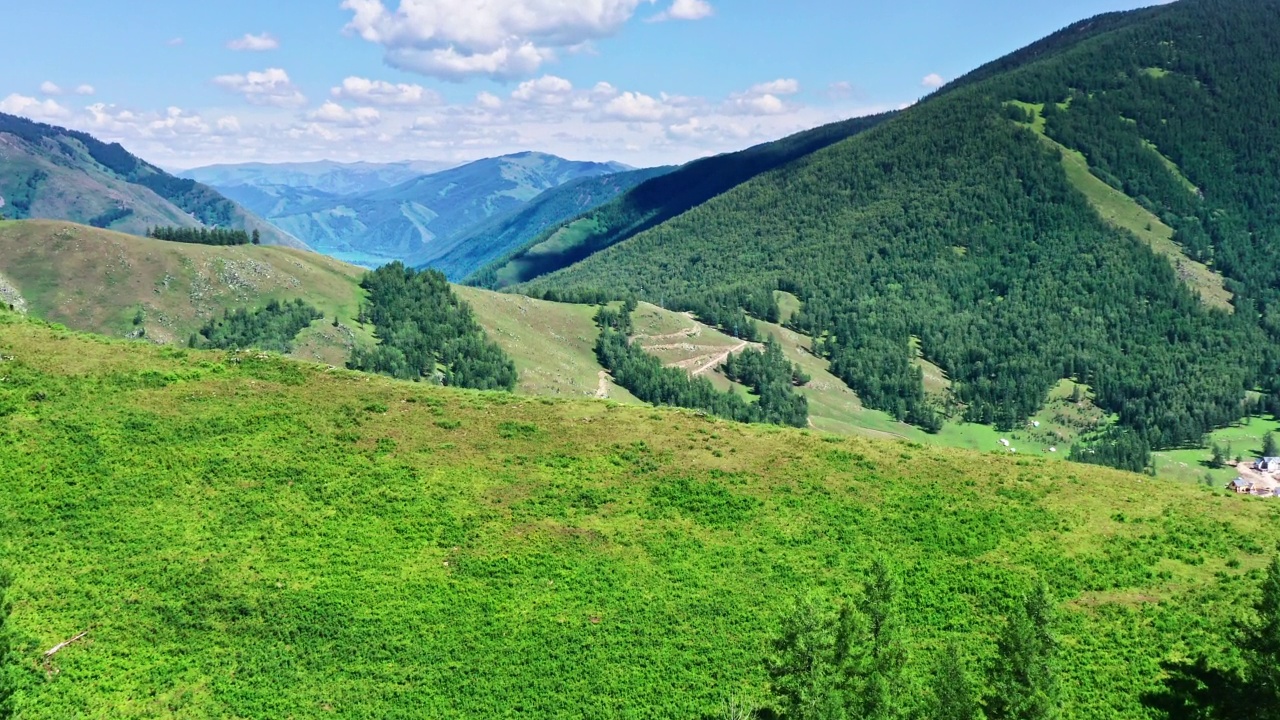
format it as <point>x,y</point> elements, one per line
<point>325,176</point>
<point>54,173</point>
<point>409,221</point>
<point>473,249</point>
<point>960,224</point>
<point>655,202</point>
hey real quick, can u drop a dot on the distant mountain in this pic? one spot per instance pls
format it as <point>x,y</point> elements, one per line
<point>657,201</point>
<point>503,234</point>
<point>55,173</point>
<point>1102,206</point>
<point>325,176</point>
<point>413,221</point>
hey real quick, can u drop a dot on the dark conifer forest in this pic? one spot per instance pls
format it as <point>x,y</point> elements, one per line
<point>956,225</point>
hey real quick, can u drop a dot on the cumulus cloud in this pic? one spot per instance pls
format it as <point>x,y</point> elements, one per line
<point>504,39</point>
<point>933,81</point>
<point>638,107</point>
<point>254,43</point>
<point>685,10</point>
<point>331,113</point>
<point>381,92</point>
<point>546,90</point>
<point>489,101</point>
<point>48,88</point>
<point>763,98</point>
<point>269,87</point>
<point>32,108</point>
<point>86,90</point>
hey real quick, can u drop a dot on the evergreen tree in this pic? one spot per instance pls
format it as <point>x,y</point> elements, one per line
<point>1023,684</point>
<point>257,237</point>
<point>802,669</point>
<point>1269,448</point>
<point>877,671</point>
<point>1260,646</point>
<point>954,696</point>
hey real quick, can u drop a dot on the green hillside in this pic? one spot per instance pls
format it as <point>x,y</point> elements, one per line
<point>54,173</point>
<point>243,536</point>
<point>513,230</point>
<point>655,202</point>
<point>121,285</point>
<point>967,229</point>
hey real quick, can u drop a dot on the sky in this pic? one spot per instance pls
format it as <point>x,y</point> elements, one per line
<point>187,83</point>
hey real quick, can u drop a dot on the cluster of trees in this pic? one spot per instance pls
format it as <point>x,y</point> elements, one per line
<point>851,663</point>
<point>426,332</point>
<point>1117,447</point>
<point>957,226</point>
<point>105,219</point>
<point>273,327</point>
<point>767,372</point>
<point>205,236</point>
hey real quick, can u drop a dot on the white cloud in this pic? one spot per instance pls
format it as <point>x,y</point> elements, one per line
<point>86,90</point>
<point>685,10</point>
<point>381,92</point>
<point>489,101</point>
<point>254,43</point>
<point>48,88</point>
<point>763,98</point>
<point>638,107</point>
<point>269,87</point>
<point>781,86</point>
<point>546,90</point>
<point>32,108</point>
<point>331,113</point>
<point>504,39</point>
<point>933,80</point>
<point>229,125</point>
<point>174,42</point>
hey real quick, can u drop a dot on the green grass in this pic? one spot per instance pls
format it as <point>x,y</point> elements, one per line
<point>1124,212</point>
<point>1243,439</point>
<point>245,536</point>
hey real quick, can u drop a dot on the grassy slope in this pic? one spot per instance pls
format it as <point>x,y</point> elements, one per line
<point>1124,212</point>
<point>97,280</point>
<point>247,537</point>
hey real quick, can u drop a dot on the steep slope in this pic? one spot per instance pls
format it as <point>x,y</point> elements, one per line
<point>242,536</point>
<point>471,250</point>
<point>408,221</point>
<point>956,224</point>
<point>54,173</point>
<point>655,202</point>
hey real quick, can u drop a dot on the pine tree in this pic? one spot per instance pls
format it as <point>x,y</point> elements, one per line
<point>1023,685</point>
<point>802,670</point>
<point>257,238</point>
<point>1269,448</point>
<point>1260,645</point>
<point>877,674</point>
<point>954,696</point>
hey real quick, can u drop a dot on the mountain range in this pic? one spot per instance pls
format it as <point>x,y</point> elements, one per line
<point>52,172</point>
<point>357,214</point>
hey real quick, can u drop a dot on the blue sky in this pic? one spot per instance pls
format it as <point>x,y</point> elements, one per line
<point>187,83</point>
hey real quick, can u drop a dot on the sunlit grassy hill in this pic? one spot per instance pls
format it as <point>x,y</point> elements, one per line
<point>246,536</point>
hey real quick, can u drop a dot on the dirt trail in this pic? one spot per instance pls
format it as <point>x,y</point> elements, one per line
<point>718,360</point>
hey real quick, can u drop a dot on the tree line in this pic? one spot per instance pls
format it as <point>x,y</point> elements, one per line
<point>205,235</point>
<point>426,333</point>
<point>850,662</point>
